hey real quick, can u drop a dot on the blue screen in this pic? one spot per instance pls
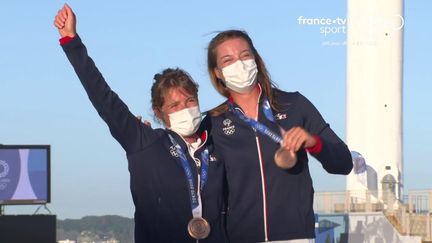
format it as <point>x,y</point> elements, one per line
<point>24,174</point>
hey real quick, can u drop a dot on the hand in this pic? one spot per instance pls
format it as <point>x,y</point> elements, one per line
<point>146,122</point>
<point>297,138</point>
<point>65,22</point>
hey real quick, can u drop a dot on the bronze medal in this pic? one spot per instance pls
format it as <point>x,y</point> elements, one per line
<point>285,159</point>
<point>198,228</point>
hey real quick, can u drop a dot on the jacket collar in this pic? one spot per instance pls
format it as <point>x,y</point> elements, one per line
<point>203,136</point>
<point>260,99</point>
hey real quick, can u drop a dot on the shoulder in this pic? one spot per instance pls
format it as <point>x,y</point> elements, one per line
<point>282,95</point>
<point>159,131</point>
<point>217,124</point>
<point>206,124</point>
<point>218,111</point>
<point>210,121</point>
<point>285,98</point>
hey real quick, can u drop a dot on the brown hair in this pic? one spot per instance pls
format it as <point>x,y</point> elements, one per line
<point>263,76</point>
<point>171,78</point>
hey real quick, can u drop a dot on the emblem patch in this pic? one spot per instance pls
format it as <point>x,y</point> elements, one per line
<point>280,116</point>
<point>212,158</point>
<point>173,151</point>
<point>228,129</point>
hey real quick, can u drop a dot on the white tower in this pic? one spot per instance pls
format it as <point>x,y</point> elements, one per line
<point>374,97</point>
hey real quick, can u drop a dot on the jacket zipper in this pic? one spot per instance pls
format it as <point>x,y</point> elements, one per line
<point>264,194</point>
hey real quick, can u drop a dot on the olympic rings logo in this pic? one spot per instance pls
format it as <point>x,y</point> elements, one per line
<point>5,171</point>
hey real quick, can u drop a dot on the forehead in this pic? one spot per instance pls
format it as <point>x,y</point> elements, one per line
<point>231,47</point>
<point>176,94</point>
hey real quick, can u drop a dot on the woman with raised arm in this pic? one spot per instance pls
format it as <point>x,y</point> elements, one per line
<point>176,179</point>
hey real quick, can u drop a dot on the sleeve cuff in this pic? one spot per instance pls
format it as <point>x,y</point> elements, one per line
<point>66,40</point>
<point>318,146</point>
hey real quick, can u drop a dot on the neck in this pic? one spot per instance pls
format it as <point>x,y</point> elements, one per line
<point>191,139</point>
<point>248,102</point>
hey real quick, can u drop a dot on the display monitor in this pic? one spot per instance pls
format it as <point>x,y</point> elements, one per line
<point>25,174</point>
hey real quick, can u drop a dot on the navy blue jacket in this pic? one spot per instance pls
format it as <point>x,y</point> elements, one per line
<point>157,179</point>
<point>266,202</point>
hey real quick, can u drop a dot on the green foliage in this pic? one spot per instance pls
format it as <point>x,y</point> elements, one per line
<point>102,227</point>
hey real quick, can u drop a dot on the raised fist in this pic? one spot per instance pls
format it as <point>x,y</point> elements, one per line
<point>65,22</point>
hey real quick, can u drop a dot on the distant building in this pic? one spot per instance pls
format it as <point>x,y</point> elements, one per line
<point>374,207</point>
<point>339,219</point>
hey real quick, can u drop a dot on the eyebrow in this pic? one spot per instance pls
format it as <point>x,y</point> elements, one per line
<point>248,50</point>
<point>177,101</point>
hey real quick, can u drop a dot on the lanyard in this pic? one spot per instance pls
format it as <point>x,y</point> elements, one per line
<point>195,195</point>
<point>258,125</point>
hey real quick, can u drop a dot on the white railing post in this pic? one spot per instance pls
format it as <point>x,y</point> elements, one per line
<point>428,227</point>
<point>347,202</point>
<point>430,201</point>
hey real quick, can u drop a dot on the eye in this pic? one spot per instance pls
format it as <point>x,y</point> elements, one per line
<point>192,100</point>
<point>246,55</point>
<point>226,61</point>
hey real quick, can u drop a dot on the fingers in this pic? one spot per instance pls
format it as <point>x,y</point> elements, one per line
<point>295,138</point>
<point>67,9</point>
<point>69,13</point>
<point>65,21</point>
<point>60,18</point>
<point>147,123</point>
<point>58,24</point>
<point>64,15</point>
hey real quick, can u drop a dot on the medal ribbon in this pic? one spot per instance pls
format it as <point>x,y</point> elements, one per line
<point>258,125</point>
<point>195,195</point>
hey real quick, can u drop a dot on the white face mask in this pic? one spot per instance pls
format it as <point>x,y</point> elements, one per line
<point>241,75</point>
<point>185,122</point>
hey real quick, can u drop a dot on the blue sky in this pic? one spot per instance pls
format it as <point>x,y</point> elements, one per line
<point>42,101</point>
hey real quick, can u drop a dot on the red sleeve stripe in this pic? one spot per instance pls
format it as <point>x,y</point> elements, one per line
<point>65,40</point>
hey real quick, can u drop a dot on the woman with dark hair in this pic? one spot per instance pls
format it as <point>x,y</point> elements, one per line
<point>176,178</point>
<point>267,202</point>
